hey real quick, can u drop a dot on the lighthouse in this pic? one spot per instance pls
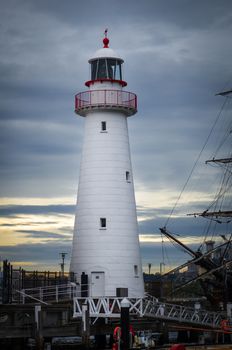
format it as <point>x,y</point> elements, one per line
<point>105,240</point>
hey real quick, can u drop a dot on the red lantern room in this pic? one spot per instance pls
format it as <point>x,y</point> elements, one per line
<point>106,66</point>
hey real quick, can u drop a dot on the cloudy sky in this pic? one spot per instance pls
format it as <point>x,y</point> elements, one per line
<point>177,56</point>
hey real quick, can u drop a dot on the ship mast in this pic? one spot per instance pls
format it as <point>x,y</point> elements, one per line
<point>204,262</point>
<point>186,248</point>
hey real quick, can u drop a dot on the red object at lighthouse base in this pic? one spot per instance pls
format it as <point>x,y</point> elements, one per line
<point>177,347</point>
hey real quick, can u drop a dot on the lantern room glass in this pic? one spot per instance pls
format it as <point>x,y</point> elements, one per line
<point>106,68</point>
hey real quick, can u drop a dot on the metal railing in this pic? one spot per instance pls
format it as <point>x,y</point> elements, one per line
<point>148,307</point>
<point>109,307</point>
<point>46,294</point>
<point>118,99</point>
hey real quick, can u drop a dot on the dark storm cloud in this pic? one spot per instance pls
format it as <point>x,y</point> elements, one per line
<point>37,156</point>
<point>34,252</point>
<point>26,223</point>
<point>44,234</point>
<point>186,12</point>
<point>183,227</point>
<point>9,210</point>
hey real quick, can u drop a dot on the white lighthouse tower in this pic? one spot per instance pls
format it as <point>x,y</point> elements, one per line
<point>105,241</point>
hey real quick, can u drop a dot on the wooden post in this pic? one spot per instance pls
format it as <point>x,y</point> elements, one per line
<point>38,332</point>
<point>125,325</point>
<point>85,325</point>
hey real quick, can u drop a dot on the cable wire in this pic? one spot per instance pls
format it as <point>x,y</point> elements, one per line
<point>195,163</point>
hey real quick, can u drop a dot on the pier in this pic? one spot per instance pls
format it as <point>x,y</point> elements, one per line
<point>59,313</point>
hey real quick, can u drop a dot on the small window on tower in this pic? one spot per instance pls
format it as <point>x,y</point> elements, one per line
<point>128,176</point>
<point>103,223</point>
<point>103,126</point>
<point>136,271</point>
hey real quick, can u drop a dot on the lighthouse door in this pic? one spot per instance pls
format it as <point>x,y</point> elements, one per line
<point>98,284</point>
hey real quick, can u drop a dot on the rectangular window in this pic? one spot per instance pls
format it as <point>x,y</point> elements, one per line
<point>111,64</point>
<point>136,272</point>
<point>102,222</point>
<point>101,72</point>
<point>103,126</point>
<point>114,69</point>
<point>94,66</point>
<point>118,71</point>
<point>127,176</point>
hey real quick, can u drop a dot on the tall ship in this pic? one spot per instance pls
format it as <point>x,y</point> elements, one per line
<point>208,271</point>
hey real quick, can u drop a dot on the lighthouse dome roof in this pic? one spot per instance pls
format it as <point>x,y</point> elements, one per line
<point>105,52</point>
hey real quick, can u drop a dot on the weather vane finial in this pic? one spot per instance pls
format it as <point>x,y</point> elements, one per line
<point>106,40</point>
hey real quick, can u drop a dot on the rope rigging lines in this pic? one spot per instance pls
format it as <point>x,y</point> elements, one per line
<point>215,212</point>
<point>196,162</point>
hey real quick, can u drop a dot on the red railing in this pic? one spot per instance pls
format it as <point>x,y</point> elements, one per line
<point>106,98</point>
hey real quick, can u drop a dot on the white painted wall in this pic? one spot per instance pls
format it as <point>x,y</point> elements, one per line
<point>104,192</point>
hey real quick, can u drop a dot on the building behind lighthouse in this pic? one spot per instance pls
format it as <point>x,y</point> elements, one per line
<point>105,240</point>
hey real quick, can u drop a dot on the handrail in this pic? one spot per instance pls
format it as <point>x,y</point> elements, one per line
<point>107,98</point>
<point>30,296</point>
<point>148,307</point>
<point>53,292</point>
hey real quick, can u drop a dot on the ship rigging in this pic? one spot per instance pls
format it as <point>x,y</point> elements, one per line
<point>214,267</point>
